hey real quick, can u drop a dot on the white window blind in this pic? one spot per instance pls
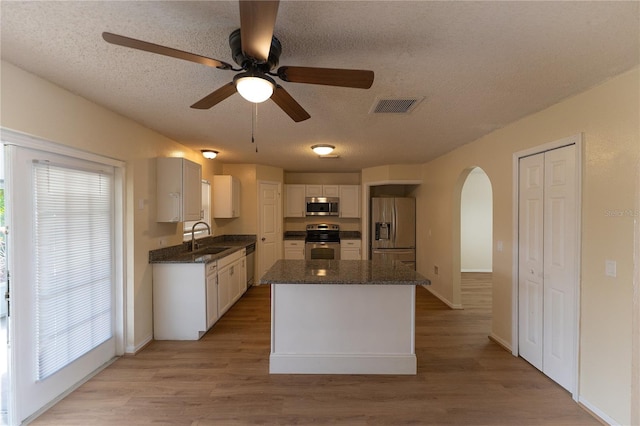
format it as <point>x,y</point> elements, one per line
<point>74,263</point>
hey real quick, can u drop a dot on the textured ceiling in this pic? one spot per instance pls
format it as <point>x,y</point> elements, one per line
<point>479,65</point>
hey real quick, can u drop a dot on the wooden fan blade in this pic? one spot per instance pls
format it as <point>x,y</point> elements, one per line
<point>215,97</point>
<point>257,19</point>
<point>163,50</point>
<point>283,99</point>
<point>360,79</point>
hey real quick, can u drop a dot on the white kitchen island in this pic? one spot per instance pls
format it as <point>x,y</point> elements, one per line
<point>342,317</point>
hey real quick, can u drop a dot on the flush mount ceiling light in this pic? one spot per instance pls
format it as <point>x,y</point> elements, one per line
<point>255,86</point>
<point>323,149</point>
<point>209,154</point>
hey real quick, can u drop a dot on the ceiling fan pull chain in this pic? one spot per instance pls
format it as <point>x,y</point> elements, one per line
<point>254,119</point>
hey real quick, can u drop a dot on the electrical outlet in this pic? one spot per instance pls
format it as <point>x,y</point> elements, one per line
<point>435,269</point>
<point>610,268</point>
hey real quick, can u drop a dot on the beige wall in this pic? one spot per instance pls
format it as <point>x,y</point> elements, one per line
<point>322,178</point>
<point>392,173</point>
<point>608,116</point>
<point>34,106</point>
<point>249,175</point>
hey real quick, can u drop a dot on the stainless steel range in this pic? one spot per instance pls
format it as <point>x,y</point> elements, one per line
<point>322,241</point>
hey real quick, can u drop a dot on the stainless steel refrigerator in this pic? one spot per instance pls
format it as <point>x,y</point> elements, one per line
<point>393,230</point>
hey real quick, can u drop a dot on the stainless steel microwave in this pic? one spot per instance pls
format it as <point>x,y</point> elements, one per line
<point>322,206</point>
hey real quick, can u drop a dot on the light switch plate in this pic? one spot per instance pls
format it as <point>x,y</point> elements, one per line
<point>610,267</point>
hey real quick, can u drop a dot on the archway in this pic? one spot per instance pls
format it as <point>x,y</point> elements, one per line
<point>472,239</point>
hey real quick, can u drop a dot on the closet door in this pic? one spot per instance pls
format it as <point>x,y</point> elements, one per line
<point>560,233</point>
<point>547,263</point>
<point>531,265</point>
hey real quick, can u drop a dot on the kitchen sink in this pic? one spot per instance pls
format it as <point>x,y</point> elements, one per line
<point>212,250</point>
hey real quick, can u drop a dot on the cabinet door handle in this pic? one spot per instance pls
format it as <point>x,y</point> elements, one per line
<point>264,239</point>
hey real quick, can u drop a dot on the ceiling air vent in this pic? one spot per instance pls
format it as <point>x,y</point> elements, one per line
<point>395,106</point>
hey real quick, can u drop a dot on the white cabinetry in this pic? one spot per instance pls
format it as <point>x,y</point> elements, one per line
<point>226,196</point>
<point>232,280</point>
<point>294,204</point>
<point>212,293</point>
<point>322,190</point>
<point>294,249</point>
<point>178,191</point>
<point>350,250</point>
<point>188,298</point>
<point>350,201</point>
<point>184,300</point>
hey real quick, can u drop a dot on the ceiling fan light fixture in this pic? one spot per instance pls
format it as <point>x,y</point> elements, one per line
<point>254,86</point>
<point>209,154</point>
<point>323,149</point>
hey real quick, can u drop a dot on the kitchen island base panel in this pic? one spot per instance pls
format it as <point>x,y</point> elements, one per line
<point>342,329</point>
<point>342,364</point>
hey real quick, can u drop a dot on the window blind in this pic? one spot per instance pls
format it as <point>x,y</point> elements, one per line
<point>74,263</point>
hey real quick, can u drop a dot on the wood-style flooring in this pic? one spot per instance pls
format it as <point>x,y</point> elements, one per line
<point>463,379</point>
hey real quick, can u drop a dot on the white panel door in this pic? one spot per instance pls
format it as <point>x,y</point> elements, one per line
<point>530,273</point>
<point>269,244</point>
<point>547,259</point>
<point>559,265</point>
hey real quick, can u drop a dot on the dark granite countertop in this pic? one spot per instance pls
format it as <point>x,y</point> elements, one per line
<point>350,235</point>
<point>342,272</point>
<point>295,235</point>
<point>205,253</point>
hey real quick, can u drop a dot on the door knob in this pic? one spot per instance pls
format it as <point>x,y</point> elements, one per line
<point>264,239</point>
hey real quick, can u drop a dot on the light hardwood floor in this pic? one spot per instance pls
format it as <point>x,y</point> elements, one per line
<point>463,379</point>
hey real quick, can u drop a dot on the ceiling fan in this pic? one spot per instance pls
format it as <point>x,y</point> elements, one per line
<point>257,52</point>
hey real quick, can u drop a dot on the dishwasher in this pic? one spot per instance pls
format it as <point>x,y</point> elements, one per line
<point>250,259</point>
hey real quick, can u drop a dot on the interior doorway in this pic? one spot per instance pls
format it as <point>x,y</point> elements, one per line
<point>476,241</point>
<point>472,240</point>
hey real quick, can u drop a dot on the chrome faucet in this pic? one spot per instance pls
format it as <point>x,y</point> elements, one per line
<point>193,238</point>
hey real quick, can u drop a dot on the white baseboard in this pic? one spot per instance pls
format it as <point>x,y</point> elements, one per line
<point>445,301</point>
<point>475,270</point>
<point>342,364</point>
<point>597,412</point>
<point>130,349</point>
<point>501,342</point>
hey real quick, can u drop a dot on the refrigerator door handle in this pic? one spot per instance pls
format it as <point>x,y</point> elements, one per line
<point>394,251</point>
<point>394,211</point>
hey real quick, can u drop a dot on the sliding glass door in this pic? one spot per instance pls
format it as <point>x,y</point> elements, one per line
<point>63,268</point>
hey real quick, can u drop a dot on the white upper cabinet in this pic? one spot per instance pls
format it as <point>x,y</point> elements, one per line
<point>294,204</point>
<point>226,196</point>
<point>322,190</point>
<point>350,201</point>
<point>178,191</point>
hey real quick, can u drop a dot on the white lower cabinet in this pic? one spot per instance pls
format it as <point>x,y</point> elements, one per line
<point>188,298</point>
<point>181,295</point>
<point>212,294</point>
<point>350,250</point>
<point>232,280</point>
<point>294,249</point>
